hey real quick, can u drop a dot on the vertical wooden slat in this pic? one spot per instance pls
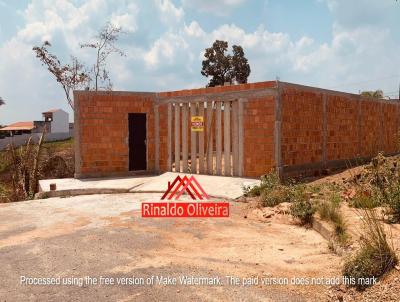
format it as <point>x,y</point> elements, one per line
<point>201,141</point>
<point>209,138</point>
<point>193,142</point>
<point>227,139</point>
<point>185,137</point>
<point>177,139</point>
<point>235,138</point>
<point>218,127</point>
<point>241,136</point>
<point>169,141</point>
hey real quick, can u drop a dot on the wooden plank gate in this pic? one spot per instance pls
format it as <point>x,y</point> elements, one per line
<point>206,131</point>
<point>206,137</point>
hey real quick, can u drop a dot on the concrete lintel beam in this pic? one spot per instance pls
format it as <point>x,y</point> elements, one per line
<point>223,96</point>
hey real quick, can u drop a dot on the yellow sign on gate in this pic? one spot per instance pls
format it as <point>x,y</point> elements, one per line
<point>197,123</point>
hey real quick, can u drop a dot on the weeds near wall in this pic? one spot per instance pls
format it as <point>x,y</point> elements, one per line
<point>24,166</point>
<point>376,255</point>
<point>272,192</point>
<point>379,185</point>
<point>303,210</point>
<point>329,210</point>
<point>268,182</point>
<point>386,179</point>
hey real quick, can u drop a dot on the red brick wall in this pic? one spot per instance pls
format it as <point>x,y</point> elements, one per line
<point>302,127</point>
<point>371,128</point>
<point>356,127</point>
<point>103,131</point>
<point>342,127</point>
<point>390,136</point>
<point>258,126</point>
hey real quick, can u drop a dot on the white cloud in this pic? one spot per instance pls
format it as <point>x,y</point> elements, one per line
<point>126,20</point>
<point>216,7</point>
<point>169,13</point>
<point>165,49</point>
<point>194,30</point>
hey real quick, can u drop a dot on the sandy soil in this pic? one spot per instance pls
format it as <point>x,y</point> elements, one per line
<point>104,235</point>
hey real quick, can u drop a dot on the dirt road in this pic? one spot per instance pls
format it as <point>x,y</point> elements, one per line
<point>104,236</point>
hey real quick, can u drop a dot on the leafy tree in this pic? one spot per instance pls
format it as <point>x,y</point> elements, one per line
<point>71,76</point>
<point>223,67</point>
<point>2,102</point>
<point>104,45</point>
<point>373,94</point>
<point>240,65</point>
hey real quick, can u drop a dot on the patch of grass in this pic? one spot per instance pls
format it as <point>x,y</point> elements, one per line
<point>315,189</point>
<point>364,200</point>
<point>271,198</point>
<point>59,145</point>
<point>375,256</point>
<point>330,211</point>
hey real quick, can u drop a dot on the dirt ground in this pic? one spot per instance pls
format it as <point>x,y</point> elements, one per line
<point>104,235</point>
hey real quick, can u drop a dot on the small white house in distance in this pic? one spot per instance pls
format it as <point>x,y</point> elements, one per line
<point>58,120</point>
<point>55,121</point>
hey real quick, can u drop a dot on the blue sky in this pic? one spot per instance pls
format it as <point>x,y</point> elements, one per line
<point>345,45</point>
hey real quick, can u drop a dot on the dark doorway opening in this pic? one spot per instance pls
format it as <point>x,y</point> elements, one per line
<point>137,141</point>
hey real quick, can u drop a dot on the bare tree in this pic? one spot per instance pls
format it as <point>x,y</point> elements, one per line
<point>104,45</point>
<point>71,76</point>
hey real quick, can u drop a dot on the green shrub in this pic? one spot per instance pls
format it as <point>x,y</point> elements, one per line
<point>375,256</point>
<point>303,210</point>
<point>268,182</point>
<point>251,191</point>
<point>271,198</point>
<point>386,181</point>
<point>272,192</point>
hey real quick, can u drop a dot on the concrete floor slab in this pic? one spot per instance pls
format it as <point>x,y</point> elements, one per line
<point>215,186</point>
<point>123,183</point>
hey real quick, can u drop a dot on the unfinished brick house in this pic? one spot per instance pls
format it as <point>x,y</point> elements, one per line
<point>249,130</point>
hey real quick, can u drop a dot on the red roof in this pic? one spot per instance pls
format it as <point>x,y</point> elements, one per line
<point>19,126</point>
